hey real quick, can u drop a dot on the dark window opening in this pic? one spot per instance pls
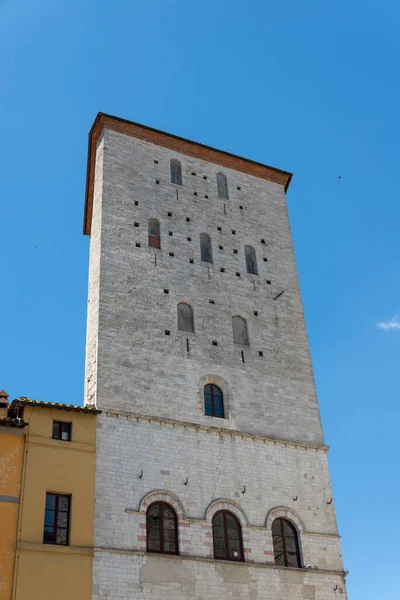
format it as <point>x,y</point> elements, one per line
<point>240,331</point>
<point>286,544</point>
<point>137,244</point>
<point>136,203</point>
<point>227,536</point>
<point>222,186</point>
<point>191,261</point>
<point>136,224</point>
<point>176,172</point>
<point>56,519</point>
<point>213,400</point>
<point>166,291</point>
<point>251,260</point>
<point>167,332</point>
<point>205,247</point>
<point>154,234</point>
<point>261,353</point>
<point>169,214</point>
<point>219,228</point>
<point>62,431</point>
<point>162,529</point>
<point>185,317</point>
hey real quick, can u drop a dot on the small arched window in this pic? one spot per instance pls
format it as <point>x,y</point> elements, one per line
<point>251,260</point>
<point>154,233</point>
<point>162,528</point>
<point>227,536</point>
<point>240,331</point>
<point>176,172</point>
<point>213,401</point>
<point>286,544</point>
<point>205,247</point>
<point>185,317</point>
<point>222,186</point>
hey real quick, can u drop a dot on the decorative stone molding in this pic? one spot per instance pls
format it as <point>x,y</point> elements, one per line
<point>286,513</point>
<point>163,496</point>
<point>225,504</point>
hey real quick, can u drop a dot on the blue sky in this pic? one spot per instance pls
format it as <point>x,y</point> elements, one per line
<point>311,87</point>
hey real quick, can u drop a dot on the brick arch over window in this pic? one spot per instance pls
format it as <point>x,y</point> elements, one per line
<point>285,513</point>
<point>224,387</point>
<point>163,496</point>
<point>226,504</point>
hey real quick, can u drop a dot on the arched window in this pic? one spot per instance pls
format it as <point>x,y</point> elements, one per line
<point>154,233</point>
<point>286,543</point>
<point>162,528</point>
<point>222,186</point>
<point>240,331</point>
<point>251,260</point>
<point>205,247</point>
<point>227,536</point>
<point>176,172</point>
<point>213,401</point>
<point>185,317</point>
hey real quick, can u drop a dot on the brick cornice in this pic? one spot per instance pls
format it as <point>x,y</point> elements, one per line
<point>173,142</point>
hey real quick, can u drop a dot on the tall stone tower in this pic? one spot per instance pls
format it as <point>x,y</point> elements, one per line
<point>212,479</point>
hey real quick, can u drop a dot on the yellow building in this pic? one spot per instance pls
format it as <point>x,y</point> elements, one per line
<point>11,459</point>
<point>54,544</point>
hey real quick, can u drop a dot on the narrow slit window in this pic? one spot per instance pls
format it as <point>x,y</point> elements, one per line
<point>240,331</point>
<point>251,260</point>
<point>176,172</point>
<point>205,247</point>
<point>222,186</point>
<point>154,233</point>
<point>185,317</point>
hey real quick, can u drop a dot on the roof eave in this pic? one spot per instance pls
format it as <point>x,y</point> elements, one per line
<point>100,123</point>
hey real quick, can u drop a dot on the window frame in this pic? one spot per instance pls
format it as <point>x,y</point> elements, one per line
<point>248,249</point>
<point>245,330</point>
<point>225,512</point>
<point>176,161</point>
<point>60,426</point>
<point>282,520</point>
<point>207,239</point>
<point>212,386</point>
<point>161,504</point>
<point>185,304</point>
<point>155,238</point>
<point>225,186</point>
<point>55,525</point>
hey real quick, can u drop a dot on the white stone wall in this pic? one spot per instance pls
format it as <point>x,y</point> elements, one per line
<point>150,387</point>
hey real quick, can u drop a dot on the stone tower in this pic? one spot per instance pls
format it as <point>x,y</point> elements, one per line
<point>212,479</point>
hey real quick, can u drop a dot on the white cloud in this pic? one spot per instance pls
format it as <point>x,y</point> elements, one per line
<point>393,323</point>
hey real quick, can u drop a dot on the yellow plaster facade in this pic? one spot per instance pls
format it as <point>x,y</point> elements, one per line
<point>11,459</point>
<point>44,571</point>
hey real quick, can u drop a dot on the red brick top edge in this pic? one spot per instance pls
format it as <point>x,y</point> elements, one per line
<point>174,142</point>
